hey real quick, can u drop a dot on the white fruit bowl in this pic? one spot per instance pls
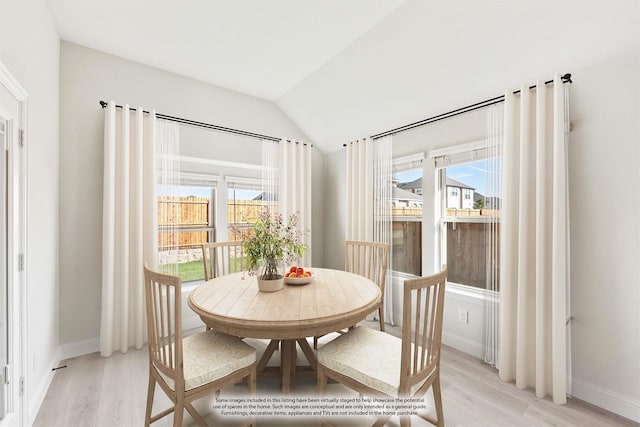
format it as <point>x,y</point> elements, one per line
<point>298,280</point>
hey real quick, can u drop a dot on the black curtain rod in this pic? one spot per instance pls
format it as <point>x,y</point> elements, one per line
<point>566,78</point>
<point>204,125</point>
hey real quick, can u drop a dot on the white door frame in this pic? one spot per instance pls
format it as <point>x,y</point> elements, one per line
<point>16,254</point>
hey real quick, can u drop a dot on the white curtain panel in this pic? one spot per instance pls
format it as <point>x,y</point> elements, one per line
<point>492,184</point>
<point>360,214</point>
<point>128,233</point>
<point>270,171</point>
<point>383,221</point>
<point>286,178</point>
<point>369,187</point>
<point>169,179</point>
<point>295,187</point>
<point>534,241</point>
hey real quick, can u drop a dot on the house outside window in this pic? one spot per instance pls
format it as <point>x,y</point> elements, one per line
<point>407,208</point>
<point>470,233</point>
<point>469,203</point>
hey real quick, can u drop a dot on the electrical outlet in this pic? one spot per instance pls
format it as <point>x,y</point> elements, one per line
<point>463,316</point>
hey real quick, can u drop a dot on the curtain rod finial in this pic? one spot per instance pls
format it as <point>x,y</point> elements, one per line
<point>567,78</point>
<point>103,104</point>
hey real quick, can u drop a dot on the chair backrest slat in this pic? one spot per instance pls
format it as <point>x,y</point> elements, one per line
<point>423,308</point>
<point>222,258</point>
<point>417,329</point>
<point>164,323</point>
<point>368,259</point>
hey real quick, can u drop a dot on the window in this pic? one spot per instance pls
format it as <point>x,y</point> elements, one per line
<point>471,232</point>
<point>407,204</point>
<point>468,199</point>
<point>245,202</point>
<point>185,222</point>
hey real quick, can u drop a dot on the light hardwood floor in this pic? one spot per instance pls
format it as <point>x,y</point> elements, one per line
<point>97,391</point>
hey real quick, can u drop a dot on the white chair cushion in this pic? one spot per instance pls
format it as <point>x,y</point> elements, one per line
<point>211,355</point>
<point>368,356</point>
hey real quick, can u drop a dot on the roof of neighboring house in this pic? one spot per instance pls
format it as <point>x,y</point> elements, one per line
<point>417,183</point>
<point>400,194</point>
<point>453,183</point>
<point>265,196</point>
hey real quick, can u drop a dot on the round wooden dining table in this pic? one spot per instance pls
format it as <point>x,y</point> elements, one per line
<point>332,301</point>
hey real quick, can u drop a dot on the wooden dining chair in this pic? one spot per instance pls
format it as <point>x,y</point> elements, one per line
<point>222,258</point>
<point>191,367</point>
<point>368,259</point>
<point>377,364</point>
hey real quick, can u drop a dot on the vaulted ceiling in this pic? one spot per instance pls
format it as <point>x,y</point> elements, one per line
<point>346,69</point>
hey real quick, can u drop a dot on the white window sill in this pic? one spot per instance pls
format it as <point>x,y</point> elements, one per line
<point>457,289</point>
<point>471,292</point>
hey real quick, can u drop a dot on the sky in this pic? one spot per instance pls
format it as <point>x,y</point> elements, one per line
<point>184,191</point>
<point>474,174</point>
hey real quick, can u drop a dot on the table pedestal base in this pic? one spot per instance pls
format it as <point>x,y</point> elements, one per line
<point>288,366</point>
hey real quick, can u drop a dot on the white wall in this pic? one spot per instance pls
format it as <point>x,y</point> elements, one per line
<point>604,162</point>
<point>87,76</point>
<point>29,48</point>
<point>604,167</point>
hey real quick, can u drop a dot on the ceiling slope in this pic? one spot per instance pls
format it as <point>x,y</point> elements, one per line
<point>346,69</point>
<point>261,48</point>
<point>429,57</point>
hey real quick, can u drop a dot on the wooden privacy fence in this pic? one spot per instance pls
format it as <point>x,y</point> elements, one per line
<point>187,213</point>
<point>471,252</point>
<point>411,211</point>
<point>406,211</point>
<point>472,212</point>
<point>183,213</point>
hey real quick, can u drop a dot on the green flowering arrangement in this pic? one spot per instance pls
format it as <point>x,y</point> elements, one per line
<point>272,242</point>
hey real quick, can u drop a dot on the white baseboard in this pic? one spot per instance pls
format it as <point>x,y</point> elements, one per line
<point>606,399</point>
<point>92,345</point>
<point>36,396</point>
<point>463,344</point>
<point>79,348</point>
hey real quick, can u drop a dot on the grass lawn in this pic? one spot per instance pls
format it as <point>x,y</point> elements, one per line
<point>192,270</point>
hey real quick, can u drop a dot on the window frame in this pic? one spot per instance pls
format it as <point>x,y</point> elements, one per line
<point>209,182</point>
<point>403,164</point>
<point>452,156</point>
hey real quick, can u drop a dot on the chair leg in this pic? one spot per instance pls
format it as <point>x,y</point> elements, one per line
<point>381,421</point>
<point>252,391</point>
<point>322,380</point>
<point>437,398</point>
<point>315,343</point>
<point>195,415</point>
<point>381,318</point>
<point>150,392</point>
<point>179,411</point>
<point>252,381</point>
<point>405,421</point>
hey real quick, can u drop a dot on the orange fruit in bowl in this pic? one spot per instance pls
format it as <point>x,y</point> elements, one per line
<point>292,275</point>
<point>293,269</point>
